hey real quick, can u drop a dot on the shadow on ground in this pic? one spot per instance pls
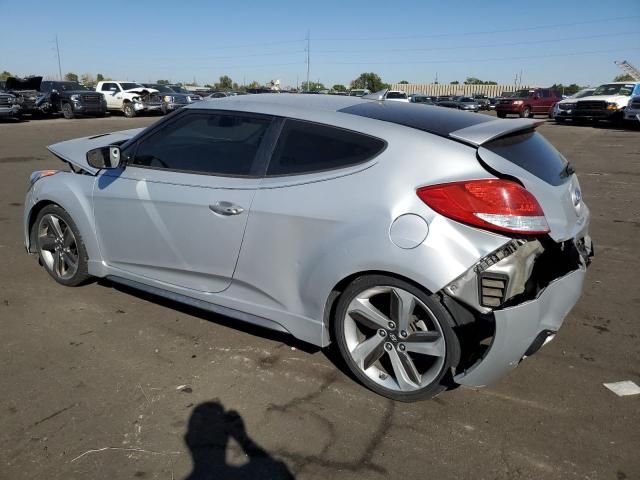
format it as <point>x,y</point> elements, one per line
<point>211,428</point>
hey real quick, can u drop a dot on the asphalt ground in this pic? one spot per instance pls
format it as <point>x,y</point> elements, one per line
<point>100,382</point>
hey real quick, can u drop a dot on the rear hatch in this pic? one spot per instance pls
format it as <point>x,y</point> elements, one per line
<point>516,150</point>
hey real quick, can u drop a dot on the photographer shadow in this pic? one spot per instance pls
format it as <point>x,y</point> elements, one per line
<point>210,429</point>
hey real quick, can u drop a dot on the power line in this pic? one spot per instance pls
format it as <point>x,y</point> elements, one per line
<point>485,32</point>
<point>563,54</point>
<point>489,45</point>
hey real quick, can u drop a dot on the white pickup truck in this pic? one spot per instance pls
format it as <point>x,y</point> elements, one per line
<point>607,102</point>
<point>131,98</point>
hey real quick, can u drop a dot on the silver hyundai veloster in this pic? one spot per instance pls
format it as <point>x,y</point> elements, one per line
<point>432,247</point>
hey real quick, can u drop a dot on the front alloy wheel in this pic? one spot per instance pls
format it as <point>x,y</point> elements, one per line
<point>396,339</point>
<point>60,247</point>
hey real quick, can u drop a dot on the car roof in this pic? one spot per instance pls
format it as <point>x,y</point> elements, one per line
<point>436,120</point>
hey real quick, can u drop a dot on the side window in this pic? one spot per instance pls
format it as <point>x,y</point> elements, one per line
<point>45,87</point>
<point>106,86</point>
<point>305,147</point>
<point>210,143</point>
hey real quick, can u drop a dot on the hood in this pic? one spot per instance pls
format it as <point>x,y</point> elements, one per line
<point>31,83</point>
<point>621,100</point>
<point>75,151</point>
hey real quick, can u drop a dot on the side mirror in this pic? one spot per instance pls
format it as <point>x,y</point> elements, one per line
<point>104,157</point>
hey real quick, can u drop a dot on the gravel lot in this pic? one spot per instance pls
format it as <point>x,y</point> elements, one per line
<point>99,382</point>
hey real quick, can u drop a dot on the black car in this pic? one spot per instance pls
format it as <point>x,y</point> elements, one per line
<point>26,91</point>
<point>71,99</point>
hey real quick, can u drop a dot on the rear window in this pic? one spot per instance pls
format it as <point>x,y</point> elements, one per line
<point>305,147</point>
<point>532,152</point>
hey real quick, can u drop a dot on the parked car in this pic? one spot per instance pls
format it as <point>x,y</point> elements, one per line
<point>396,96</point>
<point>26,91</point>
<point>483,101</point>
<point>193,96</point>
<point>529,102</point>
<point>220,95</point>
<point>423,99</point>
<point>9,107</point>
<point>461,103</point>
<point>632,112</point>
<point>359,92</point>
<point>131,98</point>
<point>327,225</point>
<point>171,100</point>
<point>607,102</point>
<point>71,99</point>
<point>564,108</point>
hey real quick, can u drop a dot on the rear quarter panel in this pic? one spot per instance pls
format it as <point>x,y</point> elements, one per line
<point>306,233</point>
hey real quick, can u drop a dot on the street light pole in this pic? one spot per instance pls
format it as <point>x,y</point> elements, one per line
<point>58,50</point>
<point>308,56</point>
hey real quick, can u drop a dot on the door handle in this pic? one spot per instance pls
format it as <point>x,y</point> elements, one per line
<point>226,208</point>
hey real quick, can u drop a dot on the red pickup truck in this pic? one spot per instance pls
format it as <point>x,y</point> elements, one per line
<point>527,103</point>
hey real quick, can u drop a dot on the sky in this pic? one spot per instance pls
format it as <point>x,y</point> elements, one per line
<point>548,41</point>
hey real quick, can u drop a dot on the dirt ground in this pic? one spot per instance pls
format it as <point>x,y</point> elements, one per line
<point>100,382</point>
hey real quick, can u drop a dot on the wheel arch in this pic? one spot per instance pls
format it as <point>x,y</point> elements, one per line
<point>337,290</point>
<point>71,192</point>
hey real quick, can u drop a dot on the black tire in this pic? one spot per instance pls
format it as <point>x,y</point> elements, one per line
<point>40,237</point>
<point>128,110</point>
<point>560,120</point>
<point>442,378</point>
<point>67,111</point>
<point>526,113</point>
<point>502,115</point>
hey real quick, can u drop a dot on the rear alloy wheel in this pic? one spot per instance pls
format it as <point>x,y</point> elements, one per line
<point>67,111</point>
<point>526,113</point>
<point>128,110</point>
<point>396,339</point>
<point>60,247</point>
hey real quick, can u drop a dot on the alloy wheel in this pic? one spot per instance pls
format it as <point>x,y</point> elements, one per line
<point>394,338</point>
<point>58,246</point>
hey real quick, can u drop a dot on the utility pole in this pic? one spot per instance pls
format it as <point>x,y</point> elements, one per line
<point>59,65</point>
<point>308,56</point>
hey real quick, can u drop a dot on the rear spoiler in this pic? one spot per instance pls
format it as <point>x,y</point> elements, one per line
<point>484,132</point>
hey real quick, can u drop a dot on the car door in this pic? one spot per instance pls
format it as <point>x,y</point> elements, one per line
<point>110,91</point>
<point>177,211</point>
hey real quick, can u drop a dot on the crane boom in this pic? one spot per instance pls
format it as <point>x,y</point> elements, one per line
<point>629,69</point>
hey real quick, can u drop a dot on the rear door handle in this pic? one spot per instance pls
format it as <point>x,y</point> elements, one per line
<point>226,208</point>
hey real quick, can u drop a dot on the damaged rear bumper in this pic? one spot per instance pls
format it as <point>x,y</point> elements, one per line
<point>525,290</point>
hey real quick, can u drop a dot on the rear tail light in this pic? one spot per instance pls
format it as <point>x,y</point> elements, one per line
<point>493,204</point>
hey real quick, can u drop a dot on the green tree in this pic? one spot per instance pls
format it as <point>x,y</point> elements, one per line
<point>369,80</point>
<point>254,84</point>
<point>566,89</point>
<point>87,80</point>
<point>312,86</point>
<point>477,81</point>
<point>225,83</point>
<point>71,77</point>
<point>163,82</point>
<point>99,78</point>
<point>455,82</point>
<point>624,77</point>
<point>339,88</point>
<point>404,82</point>
<point>4,75</point>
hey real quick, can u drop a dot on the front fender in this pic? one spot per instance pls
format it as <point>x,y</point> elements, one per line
<point>73,192</point>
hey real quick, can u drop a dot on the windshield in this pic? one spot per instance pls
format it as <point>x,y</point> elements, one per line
<point>583,93</point>
<point>130,85</point>
<point>522,93</point>
<point>614,89</point>
<point>69,86</point>
<point>178,89</point>
<point>396,95</point>
<point>466,99</point>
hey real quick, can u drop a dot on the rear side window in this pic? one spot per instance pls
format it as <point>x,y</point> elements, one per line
<point>305,147</point>
<point>214,144</point>
<point>533,153</point>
